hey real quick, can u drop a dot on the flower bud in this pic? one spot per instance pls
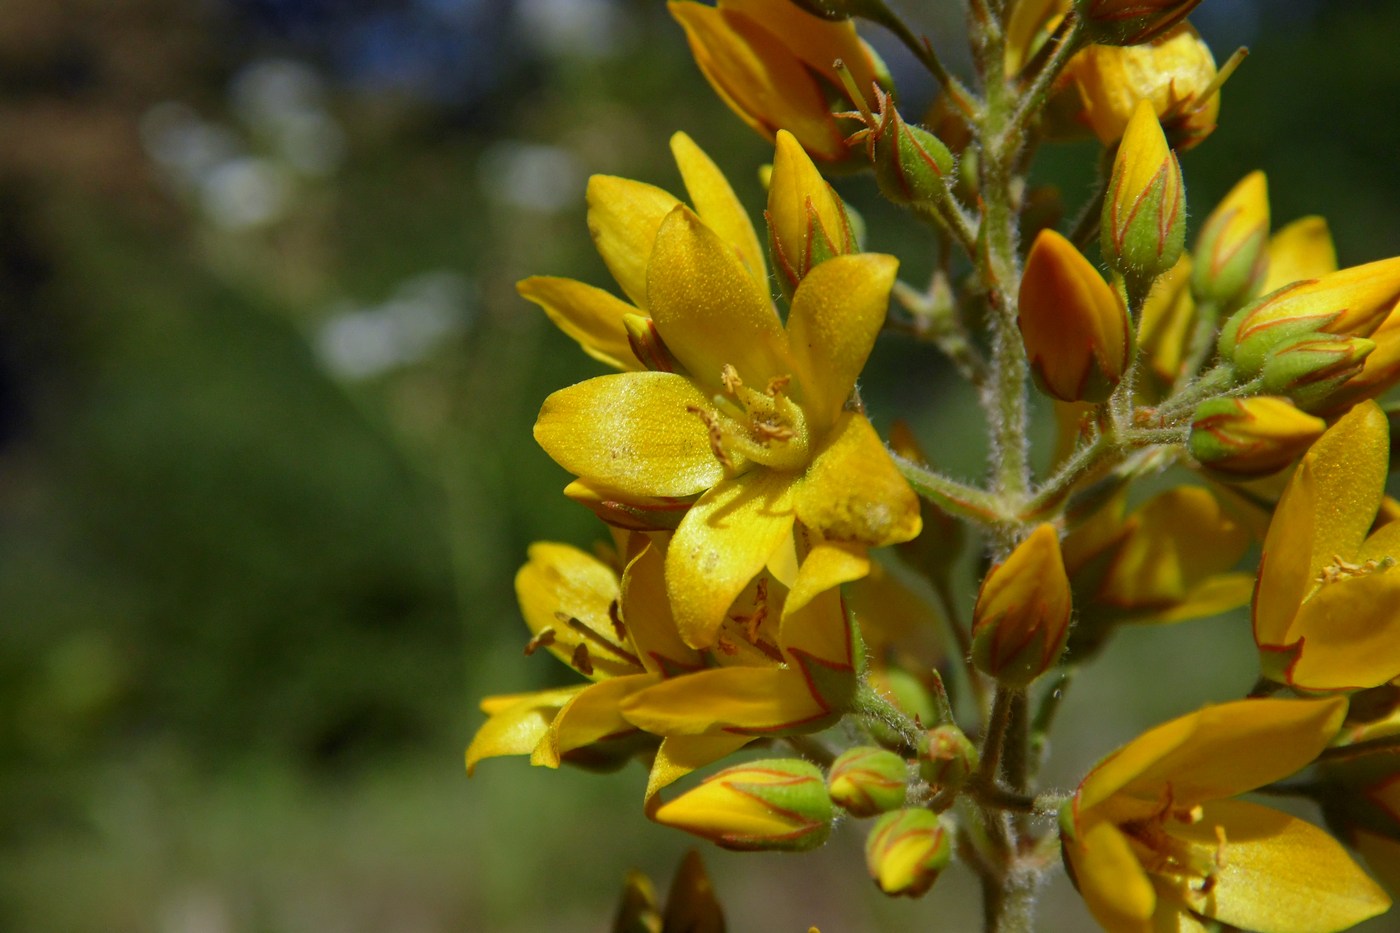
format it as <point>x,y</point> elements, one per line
<point>867,780</point>
<point>1166,321</point>
<point>1175,73</point>
<point>772,63</point>
<point>1230,255</point>
<point>1380,371</point>
<point>1130,22</point>
<point>1251,436</point>
<point>1301,250</point>
<point>1311,369</point>
<point>948,761</point>
<point>777,804</point>
<point>1353,301</point>
<point>1021,620</point>
<point>911,164</point>
<point>647,346</point>
<point>1144,212</point>
<point>906,851</point>
<point>807,223</point>
<point>1074,326</point>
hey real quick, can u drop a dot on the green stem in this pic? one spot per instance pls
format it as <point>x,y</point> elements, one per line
<point>1045,712</point>
<point>1003,707</point>
<point>957,499</point>
<point>1067,40</point>
<point>963,638</point>
<point>869,704</point>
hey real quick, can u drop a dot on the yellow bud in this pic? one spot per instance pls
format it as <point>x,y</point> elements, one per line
<point>1170,73</point>
<point>775,804</point>
<point>1251,436</point>
<point>1130,22</point>
<point>1230,253</point>
<point>772,64</point>
<point>1301,250</point>
<point>1144,210</point>
<point>1165,322</point>
<point>1074,326</point>
<point>866,780</point>
<point>1379,372</point>
<point>807,222</point>
<point>1351,302</point>
<point>906,851</point>
<point>1309,370</point>
<point>1021,620</point>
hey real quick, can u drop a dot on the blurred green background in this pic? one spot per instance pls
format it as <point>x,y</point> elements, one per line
<point>266,470</point>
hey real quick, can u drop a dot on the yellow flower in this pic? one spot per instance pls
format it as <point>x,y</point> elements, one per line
<point>1144,209</point>
<point>623,217</point>
<point>1165,322</point>
<point>1021,620</point>
<point>1170,73</point>
<point>1154,842</point>
<point>1073,324</point>
<point>756,425</point>
<point>1301,250</point>
<point>772,64</point>
<point>1327,605</point>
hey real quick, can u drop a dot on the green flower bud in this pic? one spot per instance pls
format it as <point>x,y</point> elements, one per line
<point>1144,212</point>
<point>865,781</point>
<point>948,759</point>
<point>1251,436</point>
<point>906,851</point>
<point>1309,370</point>
<point>776,804</point>
<point>1230,257</point>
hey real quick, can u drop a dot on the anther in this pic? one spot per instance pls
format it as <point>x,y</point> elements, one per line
<point>581,660</point>
<point>542,639</point>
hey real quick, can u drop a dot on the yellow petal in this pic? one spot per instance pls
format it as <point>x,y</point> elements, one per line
<point>1349,466</point>
<point>837,312</point>
<point>681,754</point>
<point>647,614</point>
<point>591,716</point>
<point>1350,631</point>
<point>818,629</point>
<point>853,491</point>
<point>751,700</point>
<point>817,42</point>
<point>631,432</point>
<point>1284,575</point>
<point>1301,250</point>
<point>826,566</point>
<point>589,315</point>
<point>1280,873</point>
<point>722,543</point>
<point>802,208</point>
<point>1219,751</point>
<point>562,579</point>
<point>623,216</point>
<point>1111,880</point>
<point>714,201</point>
<point>519,728</point>
<point>708,309</point>
<point>1210,597</point>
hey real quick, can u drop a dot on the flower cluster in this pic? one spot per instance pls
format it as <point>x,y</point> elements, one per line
<point>741,603</point>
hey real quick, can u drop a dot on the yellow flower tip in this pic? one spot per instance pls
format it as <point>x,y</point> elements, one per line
<point>1301,250</point>
<point>775,804</point>
<point>906,851</point>
<point>807,222</point>
<point>1252,436</point>
<point>1144,213</point>
<point>1231,255</point>
<point>1074,326</point>
<point>1021,620</point>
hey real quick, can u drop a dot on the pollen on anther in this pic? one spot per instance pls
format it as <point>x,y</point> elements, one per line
<point>581,660</point>
<point>542,639</point>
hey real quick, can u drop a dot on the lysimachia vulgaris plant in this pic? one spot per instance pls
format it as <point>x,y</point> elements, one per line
<point>803,630</point>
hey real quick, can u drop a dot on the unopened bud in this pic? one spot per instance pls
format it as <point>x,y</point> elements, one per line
<point>1302,249</point>
<point>1130,22</point>
<point>865,781</point>
<point>1166,321</point>
<point>647,346</point>
<point>1380,371</point>
<point>1353,301</point>
<point>1251,436</point>
<point>1021,620</point>
<point>906,851</point>
<point>776,804</point>
<point>807,223</point>
<point>1310,370</point>
<point>1230,255</point>
<point>1144,212</point>
<point>1074,326</point>
<point>948,759</point>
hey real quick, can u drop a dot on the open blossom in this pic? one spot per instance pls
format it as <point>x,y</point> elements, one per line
<point>1327,605</point>
<point>753,422</point>
<point>1154,841</point>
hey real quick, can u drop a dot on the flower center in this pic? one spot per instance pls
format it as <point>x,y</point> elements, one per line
<point>1163,853</point>
<point>767,427</point>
